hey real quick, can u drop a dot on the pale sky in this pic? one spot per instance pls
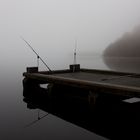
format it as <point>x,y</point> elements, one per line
<point>51,26</point>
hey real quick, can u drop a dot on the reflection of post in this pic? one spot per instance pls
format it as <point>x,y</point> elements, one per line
<point>92,98</point>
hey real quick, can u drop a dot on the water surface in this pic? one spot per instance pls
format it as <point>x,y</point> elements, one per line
<point>15,115</point>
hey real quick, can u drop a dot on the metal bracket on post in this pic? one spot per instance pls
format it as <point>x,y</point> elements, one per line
<point>38,61</point>
<point>92,98</point>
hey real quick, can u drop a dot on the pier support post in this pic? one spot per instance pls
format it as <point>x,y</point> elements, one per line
<point>29,86</point>
<point>92,98</point>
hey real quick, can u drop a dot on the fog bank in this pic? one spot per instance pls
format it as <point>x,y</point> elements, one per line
<point>124,53</point>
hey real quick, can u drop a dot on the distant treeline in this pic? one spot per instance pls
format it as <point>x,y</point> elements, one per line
<point>126,46</point>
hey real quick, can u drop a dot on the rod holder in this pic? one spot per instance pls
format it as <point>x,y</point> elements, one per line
<point>32,69</point>
<point>74,67</point>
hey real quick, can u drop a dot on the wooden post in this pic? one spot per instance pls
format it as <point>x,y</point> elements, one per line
<point>92,97</point>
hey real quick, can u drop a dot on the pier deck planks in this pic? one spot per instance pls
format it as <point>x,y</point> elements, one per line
<point>108,81</point>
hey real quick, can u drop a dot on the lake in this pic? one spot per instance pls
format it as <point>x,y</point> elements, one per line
<point>15,115</point>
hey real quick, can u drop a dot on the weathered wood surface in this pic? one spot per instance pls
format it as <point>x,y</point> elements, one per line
<point>95,80</point>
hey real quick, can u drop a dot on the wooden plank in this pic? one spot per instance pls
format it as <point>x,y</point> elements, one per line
<point>88,84</point>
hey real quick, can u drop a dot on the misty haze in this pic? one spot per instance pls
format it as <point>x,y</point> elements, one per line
<point>108,38</point>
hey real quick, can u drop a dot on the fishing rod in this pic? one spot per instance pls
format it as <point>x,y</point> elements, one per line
<point>75,52</point>
<point>38,57</point>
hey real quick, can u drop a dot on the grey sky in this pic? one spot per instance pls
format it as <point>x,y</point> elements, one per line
<point>51,26</point>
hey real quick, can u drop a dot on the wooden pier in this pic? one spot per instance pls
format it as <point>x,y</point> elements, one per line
<point>96,81</point>
<point>92,99</point>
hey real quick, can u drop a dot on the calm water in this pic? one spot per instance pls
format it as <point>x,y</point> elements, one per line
<point>15,115</point>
